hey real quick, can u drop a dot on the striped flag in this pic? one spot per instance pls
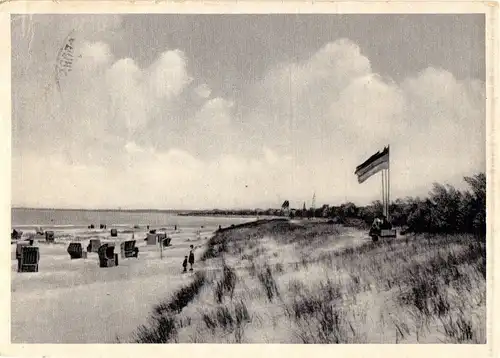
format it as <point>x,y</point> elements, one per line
<point>373,165</point>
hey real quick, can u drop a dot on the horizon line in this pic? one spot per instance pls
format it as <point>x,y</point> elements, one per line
<point>161,210</point>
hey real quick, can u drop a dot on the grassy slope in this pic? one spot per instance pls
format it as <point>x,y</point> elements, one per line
<point>278,282</point>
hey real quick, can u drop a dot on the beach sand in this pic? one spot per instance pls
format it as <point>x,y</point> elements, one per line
<point>76,301</point>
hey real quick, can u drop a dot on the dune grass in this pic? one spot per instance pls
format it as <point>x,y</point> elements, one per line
<point>279,282</point>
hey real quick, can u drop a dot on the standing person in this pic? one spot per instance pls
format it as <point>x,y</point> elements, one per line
<point>185,263</point>
<point>191,257</point>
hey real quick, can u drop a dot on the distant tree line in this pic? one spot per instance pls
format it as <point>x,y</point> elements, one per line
<point>445,210</point>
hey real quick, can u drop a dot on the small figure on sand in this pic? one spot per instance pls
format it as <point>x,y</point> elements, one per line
<point>185,264</point>
<point>191,257</point>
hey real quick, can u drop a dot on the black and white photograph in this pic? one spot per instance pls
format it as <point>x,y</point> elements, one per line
<point>270,178</point>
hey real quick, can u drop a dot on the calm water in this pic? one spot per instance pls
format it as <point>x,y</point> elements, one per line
<point>31,218</point>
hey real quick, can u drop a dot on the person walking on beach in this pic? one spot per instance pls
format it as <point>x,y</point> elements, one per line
<point>185,263</point>
<point>191,257</point>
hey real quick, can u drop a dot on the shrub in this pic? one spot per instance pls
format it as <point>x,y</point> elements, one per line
<point>445,210</point>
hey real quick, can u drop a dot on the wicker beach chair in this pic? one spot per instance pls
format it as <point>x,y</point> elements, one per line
<point>152,239</point>
<point>75,251</point>
<point>49,236</point>
<point>28,262</point>
<point>128,249</point>
<point>381,229</point>
<point>114,233</point>
<point>107,256</point>
<point>94,245</point>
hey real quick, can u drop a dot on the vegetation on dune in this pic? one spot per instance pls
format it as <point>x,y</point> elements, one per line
<point>445,210</point>
<point>276,281</point>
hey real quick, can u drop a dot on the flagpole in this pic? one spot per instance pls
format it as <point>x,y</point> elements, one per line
<point>387,194</point>
<point>388,185</point>
<point>383,193</point>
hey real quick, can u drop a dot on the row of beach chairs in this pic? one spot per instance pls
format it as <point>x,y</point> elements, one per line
<point>153,238</point>
<point>102,226</point>
<point>127,249</point>
<point>28,255</point>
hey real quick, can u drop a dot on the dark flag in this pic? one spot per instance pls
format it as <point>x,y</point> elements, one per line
<point>373,165</point>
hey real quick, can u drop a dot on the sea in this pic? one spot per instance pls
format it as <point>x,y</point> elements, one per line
<point>30,219</point>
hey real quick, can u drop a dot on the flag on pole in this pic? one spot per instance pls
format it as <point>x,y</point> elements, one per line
<point>373,165</point>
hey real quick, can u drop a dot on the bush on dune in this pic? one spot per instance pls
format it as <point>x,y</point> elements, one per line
<point>445,210</point>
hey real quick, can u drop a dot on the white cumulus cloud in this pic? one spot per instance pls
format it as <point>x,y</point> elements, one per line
<point>127,135</point>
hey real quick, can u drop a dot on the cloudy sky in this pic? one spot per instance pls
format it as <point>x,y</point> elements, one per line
<point>205,111</point>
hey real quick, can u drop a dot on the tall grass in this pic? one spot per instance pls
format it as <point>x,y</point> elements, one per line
<point>226,285</point>
<point>268,283</point>
<point>162,327</point>
<point>421,288</point>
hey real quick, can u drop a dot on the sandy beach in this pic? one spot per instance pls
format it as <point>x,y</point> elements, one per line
<point>75,301</point>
